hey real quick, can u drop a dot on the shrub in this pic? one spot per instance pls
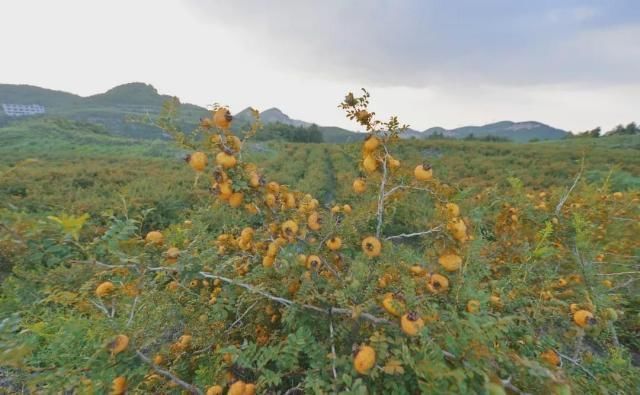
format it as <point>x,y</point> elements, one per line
<point>410,286</point>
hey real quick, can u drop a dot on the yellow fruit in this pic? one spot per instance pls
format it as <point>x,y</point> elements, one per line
<point>313,221</point>
<point>118,386</point>
<point>313,262</point>
<point>273,187</point>
<point>154,237</point>
<point>371,246</point>
<point>254,180</point>
<point>222,118</point>
<point>290,228</point>
<point>214,390</point>
<point>496,301</point>
<point>423,172</point>
<point>197,161</point>
<point>251,208</point>
<point>335,209</point>
<point>618,195</point>
<point>393,305</point>
<point>417,270</point>
<point>119,344</point>
<point>334,243</point>
<point>364,359</point>
<point>411,323</point>
<point>158,359</point>
<point>453,210</point>
<point>270,200</point>
<point>473,306</point>
<point>369,163</point>
<point>583,318</point>
<point>247,234</point>
<point>438,284</point>
<point>550,357</point>
<point>393,162</point>
<point>249,389</point>
<point>235,200</point>
<point>185,340</point>
<point>458,229</point>
<point>226,160</point>
<point>450,262</point>
<point>104,289</point>
<point>225,190</point>
<point>346,209</point>
<point>359,185</point>
<point>290,200</point>
<point>237,388</point>
<point>173,253</point>
<point>371,143</point>
<point>268,261</point>
<point>363,117</point>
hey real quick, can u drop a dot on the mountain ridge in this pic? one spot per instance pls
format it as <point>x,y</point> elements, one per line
<point>135,98</point>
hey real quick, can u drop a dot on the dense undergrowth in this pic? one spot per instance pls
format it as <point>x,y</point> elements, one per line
<point>496,272</point>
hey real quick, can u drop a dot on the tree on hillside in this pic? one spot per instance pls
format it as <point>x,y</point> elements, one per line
<point>630,129</point>
<point>593,133</point>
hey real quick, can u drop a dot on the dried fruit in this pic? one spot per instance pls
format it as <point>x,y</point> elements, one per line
<point>371,246</point>
<point>423,172</point>
<point>104,289</point>
<point>119,344</point>
<point>411,323</point>
<point>364,359</point>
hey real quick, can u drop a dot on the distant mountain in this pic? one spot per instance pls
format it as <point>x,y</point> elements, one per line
<point>330,134</point>
<point>273,115</point>
<point>516,131</point>
<point>115,108</point>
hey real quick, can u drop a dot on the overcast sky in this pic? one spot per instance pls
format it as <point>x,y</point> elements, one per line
<point>571,64</point>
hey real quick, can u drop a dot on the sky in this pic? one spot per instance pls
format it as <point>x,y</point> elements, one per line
<point>572,64</point>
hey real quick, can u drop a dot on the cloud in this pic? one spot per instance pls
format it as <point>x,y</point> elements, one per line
<point>421,43</point>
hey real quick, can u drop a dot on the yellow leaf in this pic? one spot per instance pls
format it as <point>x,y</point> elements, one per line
<point>71,225</point>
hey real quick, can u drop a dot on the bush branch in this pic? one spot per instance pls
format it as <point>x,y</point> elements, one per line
<point>189,387</point>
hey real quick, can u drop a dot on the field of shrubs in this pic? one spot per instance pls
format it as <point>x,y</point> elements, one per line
<point>223,264</point>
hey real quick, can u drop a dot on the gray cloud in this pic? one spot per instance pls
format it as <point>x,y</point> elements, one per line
<point>423,42</point>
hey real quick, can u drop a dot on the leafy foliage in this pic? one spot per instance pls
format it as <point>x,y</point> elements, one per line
<point>209,302</point>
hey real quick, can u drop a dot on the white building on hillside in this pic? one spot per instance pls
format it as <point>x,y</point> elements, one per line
<point>19,110</point>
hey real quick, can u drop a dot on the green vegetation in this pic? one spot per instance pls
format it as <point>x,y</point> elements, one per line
<point>76,204</point>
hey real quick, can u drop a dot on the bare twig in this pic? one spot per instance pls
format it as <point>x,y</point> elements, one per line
<point>95,262</point>
<point>573,361</point>
<point>507,384</point>
<point>381,195</point>
<point>617,273</point>
<point>566,195</point>
<point>102,307</point>
<point>133,310</point>
<point>333,351</point>
<point>287,302</point>
<point>241,317</point>
<point>189,387</point>
<point>406,235</point>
